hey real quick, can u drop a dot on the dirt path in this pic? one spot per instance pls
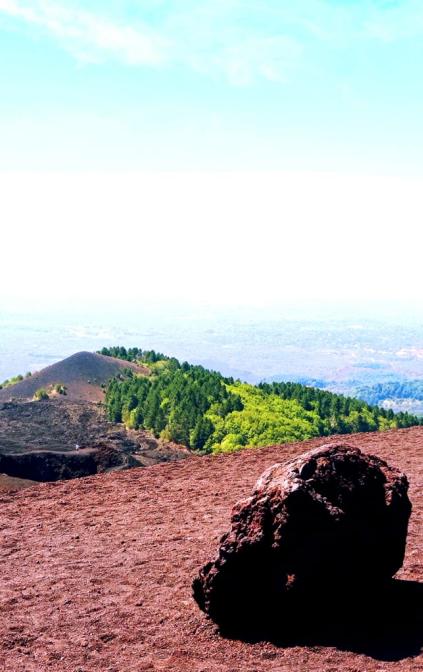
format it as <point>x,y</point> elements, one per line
<point>96,573</point>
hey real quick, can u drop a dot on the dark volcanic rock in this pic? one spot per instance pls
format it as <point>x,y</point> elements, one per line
<point>330,523</point>
<point>55,466</point>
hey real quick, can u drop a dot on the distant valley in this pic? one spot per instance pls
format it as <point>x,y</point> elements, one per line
<point>343,354</point>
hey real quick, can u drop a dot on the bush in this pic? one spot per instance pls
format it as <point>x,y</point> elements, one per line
<point>11,381</point>
<point>41,394</point>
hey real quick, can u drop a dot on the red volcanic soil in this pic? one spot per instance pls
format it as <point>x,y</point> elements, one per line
<point>83,374</point>
<point>96,573</point>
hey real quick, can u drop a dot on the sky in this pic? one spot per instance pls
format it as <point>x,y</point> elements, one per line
<point>229,151</point>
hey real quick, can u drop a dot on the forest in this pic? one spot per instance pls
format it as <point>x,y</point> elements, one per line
<point>409,389</point>
<point>209,413</point>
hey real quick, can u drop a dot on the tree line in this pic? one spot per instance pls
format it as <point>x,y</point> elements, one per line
<point>207,412</point>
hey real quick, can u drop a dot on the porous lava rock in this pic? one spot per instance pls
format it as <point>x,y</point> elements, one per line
<point>329,523</point>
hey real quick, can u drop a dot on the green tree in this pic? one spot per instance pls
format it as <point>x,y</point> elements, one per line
<point>201,433</point>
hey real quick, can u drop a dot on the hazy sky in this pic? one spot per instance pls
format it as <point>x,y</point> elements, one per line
<point>230,238</point>
<point>293,129</point>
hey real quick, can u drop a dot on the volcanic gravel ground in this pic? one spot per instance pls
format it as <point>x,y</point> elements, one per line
<point>96,573</point>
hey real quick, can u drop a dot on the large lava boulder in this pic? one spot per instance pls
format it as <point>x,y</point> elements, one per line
<point>329,523</point>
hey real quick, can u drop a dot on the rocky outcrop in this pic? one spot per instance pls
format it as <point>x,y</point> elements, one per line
<point>330,523</point>
<point>55,466</point>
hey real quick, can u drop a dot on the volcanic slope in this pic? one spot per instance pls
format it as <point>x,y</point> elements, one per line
<point>38,442</point>
<point>97,572</point>
<point>82,373</point>
<point>69,436</point>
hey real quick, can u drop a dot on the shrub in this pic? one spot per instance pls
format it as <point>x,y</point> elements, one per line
<point>41,394</point>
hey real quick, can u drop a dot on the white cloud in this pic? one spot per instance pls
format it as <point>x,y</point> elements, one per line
<point>90,36</point>
<point>243,41</point>
<point>270,58</point>
<point>403,21</point>
<point>204,38</point>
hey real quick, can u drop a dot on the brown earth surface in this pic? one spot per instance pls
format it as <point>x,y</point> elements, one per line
<point>96,573</point>
<point>83,374</point>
